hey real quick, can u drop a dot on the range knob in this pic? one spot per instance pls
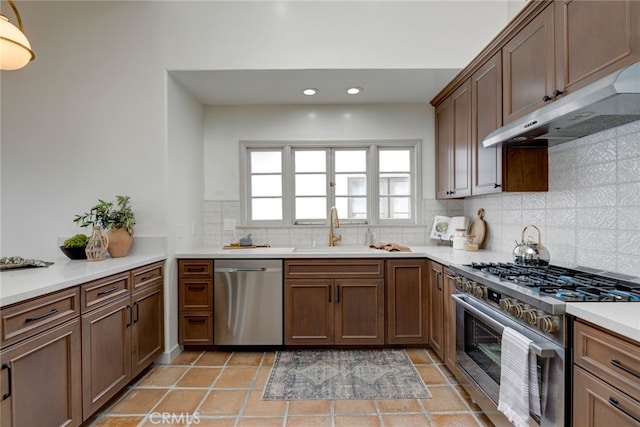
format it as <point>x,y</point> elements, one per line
<point>468,286</point>
<point>532,317</point>
<point>549,324</point>
<point>506,304</point>
<point>459,282</point>
<point>480,291</point>
<point>518,309</point>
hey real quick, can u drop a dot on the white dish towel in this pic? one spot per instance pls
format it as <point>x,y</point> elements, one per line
<point>518,378</point>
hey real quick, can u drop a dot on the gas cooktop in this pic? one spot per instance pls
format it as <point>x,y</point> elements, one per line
<point>563,283</point>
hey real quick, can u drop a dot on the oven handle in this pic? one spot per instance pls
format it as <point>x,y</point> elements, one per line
<point>544,351</point>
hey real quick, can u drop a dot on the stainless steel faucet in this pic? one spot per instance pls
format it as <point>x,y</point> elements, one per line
<point>334,222</point>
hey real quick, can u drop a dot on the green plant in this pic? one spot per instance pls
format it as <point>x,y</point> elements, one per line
<point>77,241</point>
<point>109,215</point>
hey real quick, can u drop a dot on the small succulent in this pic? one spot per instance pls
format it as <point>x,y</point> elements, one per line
<point>77,241</point>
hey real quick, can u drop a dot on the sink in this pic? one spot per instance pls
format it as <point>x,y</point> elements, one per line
<point>335,249</point>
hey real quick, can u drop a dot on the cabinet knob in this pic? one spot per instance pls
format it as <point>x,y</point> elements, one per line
<point>557,93</point>
<point>546,98</point>
<point>497,185</point>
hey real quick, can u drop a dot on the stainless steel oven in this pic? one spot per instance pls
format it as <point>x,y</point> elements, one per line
<point>478,348</point>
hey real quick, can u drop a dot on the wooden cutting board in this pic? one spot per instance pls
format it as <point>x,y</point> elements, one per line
<point>478,229</point>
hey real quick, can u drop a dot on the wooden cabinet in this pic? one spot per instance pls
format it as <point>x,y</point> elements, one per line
<point>453,144</point>
<point>407,301</point>
<point>528,62</point>
<point>122,333</point>
<point>436,308</point>
<point>605,378</point>
<point>195,302</point>
<point>594,39</point>
<point>40,379</point>
<point>334,301</point>
<point>449,316</point>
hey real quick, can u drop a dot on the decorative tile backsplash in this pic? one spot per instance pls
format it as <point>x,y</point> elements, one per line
<point>589,217</point>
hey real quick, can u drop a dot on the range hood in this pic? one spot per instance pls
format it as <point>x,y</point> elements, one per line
<point>609,102</point>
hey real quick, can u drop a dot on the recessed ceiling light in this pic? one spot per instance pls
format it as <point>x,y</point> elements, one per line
<point>354,90</point>
<point>310,91</point>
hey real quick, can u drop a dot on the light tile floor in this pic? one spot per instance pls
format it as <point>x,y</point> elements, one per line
<point>205,388</point>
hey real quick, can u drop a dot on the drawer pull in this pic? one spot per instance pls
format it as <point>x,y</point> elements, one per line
<point>42,316</point>
<point>8,368</point>
<point>617,364</point>
<point>108,291</point>
<point>148,276</point>
<point>614,402</point>
<point>196,269</point>
<point>197,320</point>
<point>197,287</point>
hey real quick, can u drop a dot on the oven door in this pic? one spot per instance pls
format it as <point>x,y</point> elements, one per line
<point>478,349</point>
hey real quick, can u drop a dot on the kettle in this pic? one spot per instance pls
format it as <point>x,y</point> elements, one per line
<point>530,253</point>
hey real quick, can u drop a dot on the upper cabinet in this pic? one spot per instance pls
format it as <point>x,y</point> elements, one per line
<point>594,39</point>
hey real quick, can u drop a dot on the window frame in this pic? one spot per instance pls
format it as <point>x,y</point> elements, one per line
<point>372,147</point>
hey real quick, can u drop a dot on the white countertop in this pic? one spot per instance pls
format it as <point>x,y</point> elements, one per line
<point>620,317</point>
<point>24,283</point>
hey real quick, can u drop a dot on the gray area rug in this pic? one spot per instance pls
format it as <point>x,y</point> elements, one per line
<point>344,374</point>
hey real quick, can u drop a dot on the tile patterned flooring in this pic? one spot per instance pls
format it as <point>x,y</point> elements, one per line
<point>225,389</point>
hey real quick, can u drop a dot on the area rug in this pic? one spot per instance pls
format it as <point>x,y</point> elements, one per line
<point>344,374</point>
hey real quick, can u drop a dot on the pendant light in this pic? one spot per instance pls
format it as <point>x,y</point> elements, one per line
<point>15,50</point>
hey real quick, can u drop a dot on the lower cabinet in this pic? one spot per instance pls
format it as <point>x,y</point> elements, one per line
<point>41,379</point>
<point>334,302</point>
<point>436,308</point>
<point>195,301</point>
<point>407,301</point>
<point>449,316</point>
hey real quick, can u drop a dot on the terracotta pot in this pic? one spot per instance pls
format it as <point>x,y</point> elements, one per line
<point>119,242</point>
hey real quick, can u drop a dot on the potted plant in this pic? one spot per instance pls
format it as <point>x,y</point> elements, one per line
<point>74,246</point>
<point>117,219</point>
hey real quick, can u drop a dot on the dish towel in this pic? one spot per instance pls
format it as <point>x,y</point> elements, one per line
<point>518,379</point>
<point>390,247</point>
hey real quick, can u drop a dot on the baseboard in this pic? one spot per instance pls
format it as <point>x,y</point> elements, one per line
<point>168,356</point>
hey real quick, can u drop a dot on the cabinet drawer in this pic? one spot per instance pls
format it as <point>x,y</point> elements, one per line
<point>148,274</point>
<point>334,268</point>
<point>195,268</point>
<point>195,328</point>
<point>195,294</point>
<point>609,357</point>
<point>102,291</point>
<point>27,318</point>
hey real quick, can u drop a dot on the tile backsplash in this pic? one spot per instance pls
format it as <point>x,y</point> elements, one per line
<point>589,217</point>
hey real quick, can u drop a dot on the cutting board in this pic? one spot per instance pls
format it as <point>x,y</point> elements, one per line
<point>478,229</point>
<point>245,247</point>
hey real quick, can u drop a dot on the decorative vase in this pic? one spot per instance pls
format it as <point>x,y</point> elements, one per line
<point>96,249</point>
<point>119,242</point>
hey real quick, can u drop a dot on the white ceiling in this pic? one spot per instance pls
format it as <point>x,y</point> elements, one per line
<point>273,87</point>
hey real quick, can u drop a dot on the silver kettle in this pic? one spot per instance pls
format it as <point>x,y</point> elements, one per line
<point>531,253</point>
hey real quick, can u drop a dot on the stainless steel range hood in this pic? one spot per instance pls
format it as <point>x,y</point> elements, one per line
<point>606,103</point>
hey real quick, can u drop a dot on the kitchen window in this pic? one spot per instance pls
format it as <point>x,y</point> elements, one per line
<point>296,184</point>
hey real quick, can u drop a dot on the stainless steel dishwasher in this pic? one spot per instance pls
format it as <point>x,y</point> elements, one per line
<point>247,302</point>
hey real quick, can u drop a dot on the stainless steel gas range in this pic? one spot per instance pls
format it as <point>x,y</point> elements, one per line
<point>531,300</point>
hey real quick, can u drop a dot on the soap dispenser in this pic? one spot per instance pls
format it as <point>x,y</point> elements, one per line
<point>368,238</point>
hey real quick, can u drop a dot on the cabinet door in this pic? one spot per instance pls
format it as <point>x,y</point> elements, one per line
<point>449,317</point>
<point>596,403</point>
<point>41,379</point>
<point>359,311</point>
<point>461,150</point>
<point>309,311</point>
<point>444,143</point>
<point>106,353</point>
<point>486,116</point>
<point>407,302</point>
<point>528,67</point>
<point>594,39</point>
<point>195,327</point>
<point>436,308</point>
<point>147,330</point>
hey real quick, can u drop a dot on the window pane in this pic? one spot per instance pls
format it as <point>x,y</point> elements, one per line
<point>266,185</point>
<point>266,209</point>
<point>351,185</point>
<point>351,161</point>
<point>395,208</point>
<point>311,208</point>
<point>310,161</point>
<point>395,161</point>
<point>395,185</point>
<point>266,162</point>
<point>311,185</point>
<point>352,207</point>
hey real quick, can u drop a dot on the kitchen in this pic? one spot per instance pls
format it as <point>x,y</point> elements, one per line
<point>71,72</point>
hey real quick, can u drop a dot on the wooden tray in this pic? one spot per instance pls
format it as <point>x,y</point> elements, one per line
<point>478,229</point>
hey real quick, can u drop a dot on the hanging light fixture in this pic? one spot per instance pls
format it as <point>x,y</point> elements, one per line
<point>15,50</point>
